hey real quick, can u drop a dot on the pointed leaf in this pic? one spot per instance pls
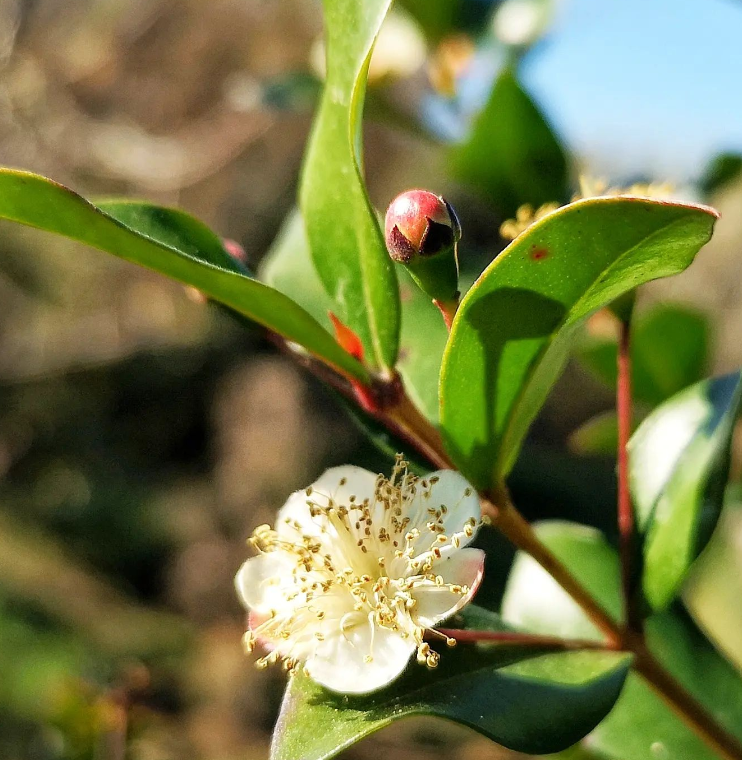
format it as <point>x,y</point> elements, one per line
<point>172,243</point>
<point>679,464</point>
<point>525,700</point>
<point>512,156</point>
<point>641,726</point>
<point>512,333</point>
<point>346,243</point>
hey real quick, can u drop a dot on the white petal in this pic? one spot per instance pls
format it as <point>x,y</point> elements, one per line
<point>339,663</point>
<point>436,603</point>
<point>449,489</point>
<point>261,581</point>
<point>337,484</point>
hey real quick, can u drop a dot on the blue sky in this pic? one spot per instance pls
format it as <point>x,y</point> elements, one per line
<point>652,85</point>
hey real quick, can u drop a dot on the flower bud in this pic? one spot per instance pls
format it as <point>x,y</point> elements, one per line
<point>421,232</point>
<point>420,222</point>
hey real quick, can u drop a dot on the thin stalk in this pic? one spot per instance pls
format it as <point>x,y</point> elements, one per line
<point>520,639</point>
<point>448,310</point>
<point>625,509</point>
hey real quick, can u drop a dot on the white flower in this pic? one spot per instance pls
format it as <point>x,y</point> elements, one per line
<point>357,570</point>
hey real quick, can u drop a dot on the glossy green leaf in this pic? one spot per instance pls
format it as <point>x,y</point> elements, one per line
<point>679,464</point>
<point>346,243</point>
<point>512,156</point>
<point>424,337</point>
<point>525,700</point>
<point>169,242</point>
<point>513,330</point>
<point>641,726</point>
<point>669,352</point>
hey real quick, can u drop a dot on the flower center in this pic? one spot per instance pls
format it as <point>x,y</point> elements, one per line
<point>357,563</point>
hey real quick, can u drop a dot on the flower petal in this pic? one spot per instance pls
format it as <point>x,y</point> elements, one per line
<point>450,493</point>
<point>262,581</point>
<point>338,484</point>
<point>435,603</point>
<point>339,663</point>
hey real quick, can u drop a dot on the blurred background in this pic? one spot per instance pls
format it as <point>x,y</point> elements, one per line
<point>144,434</point>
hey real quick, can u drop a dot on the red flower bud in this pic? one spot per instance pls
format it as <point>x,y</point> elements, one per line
<point>419,222</point>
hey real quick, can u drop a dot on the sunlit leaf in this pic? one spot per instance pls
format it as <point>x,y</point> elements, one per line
<point>169,242</point>
<point>679,464</point>
<point>513,330</point>
<point>345,240</point>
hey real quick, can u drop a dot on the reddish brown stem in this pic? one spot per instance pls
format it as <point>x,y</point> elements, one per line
<point>448,310</point>
<point>520,639</point>
<point>518,530</point>
<point>625,509</point>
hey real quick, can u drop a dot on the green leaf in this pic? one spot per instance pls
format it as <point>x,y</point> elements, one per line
<point>679,464</point>
<point>714,587</point>
<point>424,337</point>
<point>511,155</point>
<point>723,170</point>
<point>669,352</point>
<point>525,700</point>
<point>288,267</point>
<point>598,436</point>
<point>345,240</point>
<point>513,330</point>
<point>534,601</point>
<point>641,726</point>
<point>436,17</point>
<point>169,242</point>
<point>173,228</point>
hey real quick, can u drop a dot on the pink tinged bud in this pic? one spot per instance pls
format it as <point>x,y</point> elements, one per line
<point>422,231</point>
<point>420,222</point>
<point>235,250</point>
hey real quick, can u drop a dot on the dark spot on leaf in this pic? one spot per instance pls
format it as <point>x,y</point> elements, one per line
<point>538,252</point>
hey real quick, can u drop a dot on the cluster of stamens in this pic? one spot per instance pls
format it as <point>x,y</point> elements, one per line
<point>363,549</point>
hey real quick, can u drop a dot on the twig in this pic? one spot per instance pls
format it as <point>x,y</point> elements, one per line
<point>520,639</point>
<point>404,419</point>
<point>448,310</point>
